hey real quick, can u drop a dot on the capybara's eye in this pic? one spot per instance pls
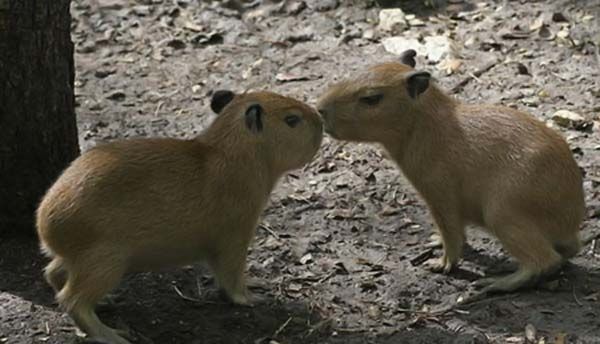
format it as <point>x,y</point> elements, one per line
<point>292,120</point>
<point>372,100</point>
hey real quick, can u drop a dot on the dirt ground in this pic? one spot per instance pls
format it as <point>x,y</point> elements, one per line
<point>335,257</point>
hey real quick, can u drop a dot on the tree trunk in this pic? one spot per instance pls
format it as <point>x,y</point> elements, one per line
<point>38,131</point>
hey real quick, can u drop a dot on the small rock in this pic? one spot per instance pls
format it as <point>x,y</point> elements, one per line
<point>196,88</point>
<point>437,47</point>
<point>117,95</point>
<point>392,20</point>
<point>566,118</point>
<point>398,45</point>
<point>368,34</point>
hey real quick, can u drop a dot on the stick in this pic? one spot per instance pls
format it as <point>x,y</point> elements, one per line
<point>184,296</point>
<point>458,87</point>
<point>421,257</point>
<point>282,327</point>
<point>576,299</point>
<point>269,230</point>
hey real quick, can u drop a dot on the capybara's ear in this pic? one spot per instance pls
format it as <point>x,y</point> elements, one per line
<point>220,99</point>
<point>408,57</point>
<point>254,114</point>
<point>417,82</point>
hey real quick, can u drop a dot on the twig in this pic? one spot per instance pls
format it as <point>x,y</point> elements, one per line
<point>473,76</point>
<point>281,328</point>
<point>590,239</point>
<point>431,313</point>
<point>160,104</point>
<point>421,257</point>
<point>269,230</point>
<point>326,277</point>
<point>470,304</point>
<point>351,330</point>
<point>318,327</point>
<point>576,299</point>
<point>184,296</point>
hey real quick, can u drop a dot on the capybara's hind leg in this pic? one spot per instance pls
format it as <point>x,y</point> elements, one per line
<point>536,255</point>
<point>86,285</point>
<point>56,274</point>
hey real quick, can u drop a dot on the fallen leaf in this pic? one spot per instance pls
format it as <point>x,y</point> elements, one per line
<point>530,333</point>
<point>545,33</point>
<point>307,258</point>
<point>514,34</point>
<point>561,338</point>
<point>193,27</point>
<point>294,287</point>
<point>536,25</point>
<point>522,69</point>
<point>285,77</point>
<point>450,65</point>
<point>559,17</point>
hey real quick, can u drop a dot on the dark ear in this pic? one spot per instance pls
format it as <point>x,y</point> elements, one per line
<point>408,57</point>
<point>220,99</point>
<point>254,115</point>
<point>417,82</point>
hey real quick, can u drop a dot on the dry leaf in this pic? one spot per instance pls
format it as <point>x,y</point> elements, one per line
<point>530,333</point>
<point>536,25</point>
<point>450,65</point>
<point>561,338</point>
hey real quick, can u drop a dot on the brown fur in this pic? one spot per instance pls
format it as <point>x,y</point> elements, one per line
<point>147,204</point>
<point>486,165</point>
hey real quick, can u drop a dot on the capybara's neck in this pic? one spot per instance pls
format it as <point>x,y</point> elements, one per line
<point>434,128</point>
<point>241,156</point>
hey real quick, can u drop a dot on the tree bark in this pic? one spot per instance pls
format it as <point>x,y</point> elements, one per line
<point>38,129</point>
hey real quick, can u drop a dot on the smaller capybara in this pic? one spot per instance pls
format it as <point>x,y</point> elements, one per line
<point>147,204</point>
